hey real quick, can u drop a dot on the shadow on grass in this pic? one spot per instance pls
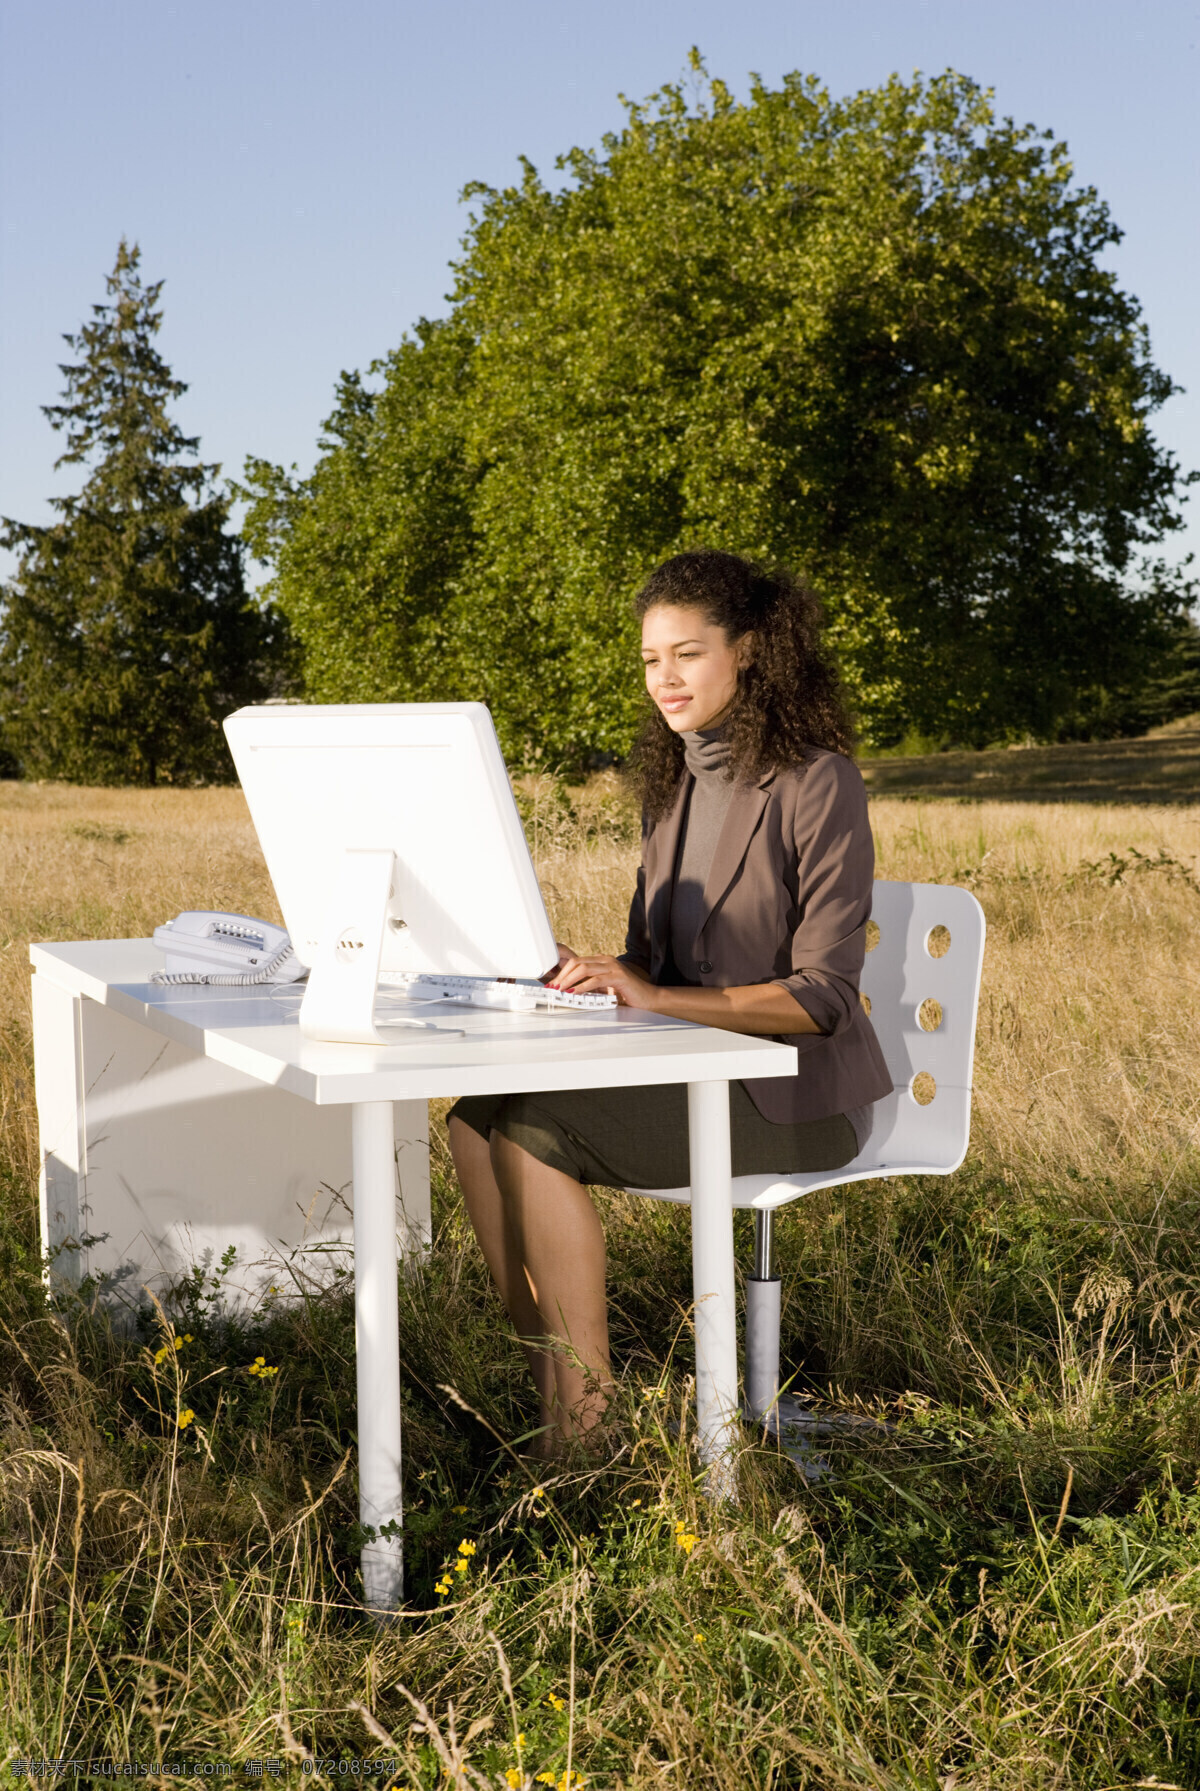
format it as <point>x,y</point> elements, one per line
<point>1163,767</point>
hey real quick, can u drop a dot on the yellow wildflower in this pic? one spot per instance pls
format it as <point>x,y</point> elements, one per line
<point>556,1702</point>
<point>179,1343</point>
<point>513,1777</point>
<point>160,1355</point>
<point>465,1547</point>
<point>185,1418</point>
<point>637,1501</point>
<point>460,1510</point>
<point>539,1492</point>
<point>699,1640</point>
<point>460,1566</point>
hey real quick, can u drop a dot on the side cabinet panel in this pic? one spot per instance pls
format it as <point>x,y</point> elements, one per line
<point>58,1062</point>
<point>178,1157</point>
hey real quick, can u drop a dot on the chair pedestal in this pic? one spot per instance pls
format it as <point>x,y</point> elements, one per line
<point>794,1425</point>
<point>762,1347</point>
<point>762,1323</point>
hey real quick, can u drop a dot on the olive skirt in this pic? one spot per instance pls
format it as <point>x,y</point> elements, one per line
<point>638,1137</point>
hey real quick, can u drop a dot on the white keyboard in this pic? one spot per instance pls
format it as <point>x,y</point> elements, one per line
<point>482,991</point>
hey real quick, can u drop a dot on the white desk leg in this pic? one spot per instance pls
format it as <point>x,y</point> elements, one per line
<point>377,1345</point>
<point>713,1281</point>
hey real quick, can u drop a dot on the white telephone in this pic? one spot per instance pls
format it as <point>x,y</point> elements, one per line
<point>225,949</point>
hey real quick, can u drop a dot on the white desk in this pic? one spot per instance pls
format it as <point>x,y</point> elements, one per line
<point>174,1099</point>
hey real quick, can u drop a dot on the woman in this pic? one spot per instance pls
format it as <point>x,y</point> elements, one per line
<point>749,914</point>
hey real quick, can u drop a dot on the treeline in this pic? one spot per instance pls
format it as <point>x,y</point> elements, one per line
<point>870,338</point>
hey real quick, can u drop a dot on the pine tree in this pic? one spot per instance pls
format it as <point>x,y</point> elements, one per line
<point>127,633</point>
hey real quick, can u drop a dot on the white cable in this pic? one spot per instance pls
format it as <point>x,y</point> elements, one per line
<point>228,980</point>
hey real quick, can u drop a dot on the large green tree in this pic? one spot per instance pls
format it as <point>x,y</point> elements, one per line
<point>127,632</point>
<point>870,337</point>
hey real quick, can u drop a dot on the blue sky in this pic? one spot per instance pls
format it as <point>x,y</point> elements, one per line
<point>293,170</point>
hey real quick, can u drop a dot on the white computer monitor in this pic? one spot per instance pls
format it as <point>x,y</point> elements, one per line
<point>334,789</point>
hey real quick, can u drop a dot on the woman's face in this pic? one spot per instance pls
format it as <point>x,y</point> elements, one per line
<point>691,669</point>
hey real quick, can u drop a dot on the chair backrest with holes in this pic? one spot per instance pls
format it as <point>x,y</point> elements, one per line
<point>921,978</point>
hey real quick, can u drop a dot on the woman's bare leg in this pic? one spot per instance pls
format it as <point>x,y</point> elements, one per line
<point>498,1240</point>
<point>560,1241</point>
<point>542,1239</point>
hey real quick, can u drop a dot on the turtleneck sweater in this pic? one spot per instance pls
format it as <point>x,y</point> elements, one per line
<point>706,755</point>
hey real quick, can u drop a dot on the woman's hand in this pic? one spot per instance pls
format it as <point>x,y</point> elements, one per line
<point>607,976</point>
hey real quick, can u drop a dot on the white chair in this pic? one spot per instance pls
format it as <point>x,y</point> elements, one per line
<point>920,985</point>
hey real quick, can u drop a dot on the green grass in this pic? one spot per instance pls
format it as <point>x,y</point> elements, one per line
<point>1002,1591</point>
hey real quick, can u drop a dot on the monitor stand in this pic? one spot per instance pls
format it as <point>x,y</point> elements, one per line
<point>339,1002</point>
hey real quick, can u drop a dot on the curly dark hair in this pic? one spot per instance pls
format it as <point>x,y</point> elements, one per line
<point>789,698</point>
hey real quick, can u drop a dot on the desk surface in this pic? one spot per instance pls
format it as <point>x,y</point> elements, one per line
<point>257,1031</point>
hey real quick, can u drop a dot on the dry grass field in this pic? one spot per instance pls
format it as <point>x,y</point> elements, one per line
<point>1002,1591</point>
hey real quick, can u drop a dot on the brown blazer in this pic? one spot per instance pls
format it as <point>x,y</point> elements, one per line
<point>787,900</point>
